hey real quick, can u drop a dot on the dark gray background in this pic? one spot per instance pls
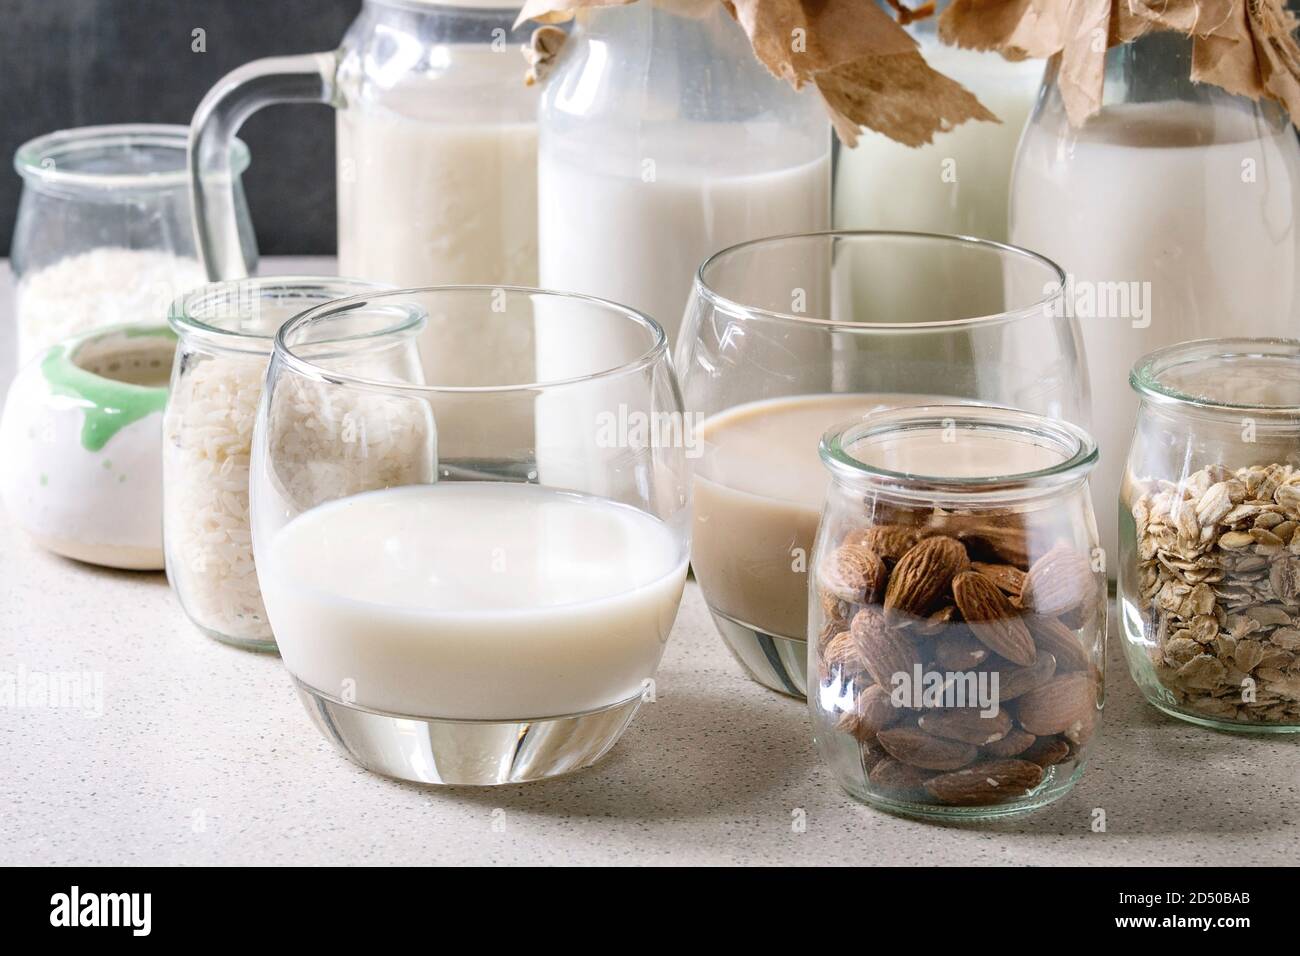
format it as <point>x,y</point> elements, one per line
<point>84,62</point>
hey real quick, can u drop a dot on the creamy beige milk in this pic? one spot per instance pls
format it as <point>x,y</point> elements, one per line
<point>1199,201</point>
<point>759,491</point>
<point>473,600</point>
<point>636,234</point>
<point>761,486</point>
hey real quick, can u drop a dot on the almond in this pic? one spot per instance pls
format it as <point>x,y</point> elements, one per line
<point>937,622</point>
<point>922,576</point>
<point>1062,643</point>
<point>833,609</point>
<point>883,650</point>
<point>1016,741</point>
<point>1009,578</point>
<point>1016,682</point>
<point>841,657</point>
<point>992,618</point>
<point>960,652</point>
<point>990,781</point>
<point>916,748</point>
<point>1058,582</point>
<point>967,724</point>
<point>1062,704</point>
<point>891,774</point>
<point>852,574</point>
<point>1047,751</point>
<point>872,712</point>
<point>889,541</point>
<point>1006,545</point>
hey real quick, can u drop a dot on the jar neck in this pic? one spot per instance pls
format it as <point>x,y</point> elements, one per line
<point>1157,68</point>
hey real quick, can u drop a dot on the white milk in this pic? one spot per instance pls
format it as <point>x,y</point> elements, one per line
<point>438,187</point>
<point>636,229</point>
<point>434,198</point>
<point>1199,201</point>
<point>957,184</point>
<point>471,600</point>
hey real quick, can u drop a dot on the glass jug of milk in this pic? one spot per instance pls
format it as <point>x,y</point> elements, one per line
<point>437,144</point>
<point>958,183</point>
<point>661,141</point>
<point>1174,212</point>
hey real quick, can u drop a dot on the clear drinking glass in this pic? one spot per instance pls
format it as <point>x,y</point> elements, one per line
<point>225,333</point>
<point>787,336</point>
<point>104,234</point>
<point>494,612</point>
<point>958,622</point>
<point>1209,580</point>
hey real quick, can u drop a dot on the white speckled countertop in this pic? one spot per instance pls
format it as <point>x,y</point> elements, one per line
<point>203,755</point>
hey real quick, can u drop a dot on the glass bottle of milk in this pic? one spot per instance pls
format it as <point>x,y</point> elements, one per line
<point>1174,212</point>
<point>957,184</point>
<point>661,141</point>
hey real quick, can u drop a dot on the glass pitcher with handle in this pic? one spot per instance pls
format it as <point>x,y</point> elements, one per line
<point>437,145</point>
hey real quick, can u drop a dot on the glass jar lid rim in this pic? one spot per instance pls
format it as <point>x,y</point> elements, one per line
<point>30,158</point>
<point>732,307</point>
<point>1080,453</point>
<point>304,366</point>
<point>182,320</point>
<point>1145,376</point>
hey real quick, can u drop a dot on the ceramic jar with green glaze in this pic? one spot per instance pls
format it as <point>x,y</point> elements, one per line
<point>81,446</point>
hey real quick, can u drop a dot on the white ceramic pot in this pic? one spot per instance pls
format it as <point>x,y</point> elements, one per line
<point>81,446</point>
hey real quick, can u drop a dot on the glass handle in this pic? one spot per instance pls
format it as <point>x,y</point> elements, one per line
<point>306,78</point>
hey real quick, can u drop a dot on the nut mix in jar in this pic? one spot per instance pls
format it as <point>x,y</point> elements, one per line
<point>1210,522</point>
<point>957,620</point>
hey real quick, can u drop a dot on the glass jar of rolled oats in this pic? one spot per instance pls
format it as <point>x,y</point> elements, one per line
<point>957,610</point>
<point>1209,583</point>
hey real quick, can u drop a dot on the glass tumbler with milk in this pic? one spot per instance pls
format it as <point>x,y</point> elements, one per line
<point>1174,210</point>
<point>662,140</point>
<point>501,619</point>
<point>436,144</point>
<point>789,335</point>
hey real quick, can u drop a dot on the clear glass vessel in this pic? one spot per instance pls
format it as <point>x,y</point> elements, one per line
<point>1209,584</point>
<point>495,611</point>
<point>958,615</point>
<point>226,331</point>
<point>1175,209</point>
<point>436,137</point>
<point>104,234</point>
<point>787,336</point>
<point>663,140</point>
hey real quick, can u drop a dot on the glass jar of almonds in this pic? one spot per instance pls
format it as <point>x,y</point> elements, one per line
<point>957,611</point>
<point>1209,584</point>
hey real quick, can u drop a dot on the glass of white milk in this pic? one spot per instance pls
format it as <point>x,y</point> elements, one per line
<point>502,619</point>
<point>789,335</point>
